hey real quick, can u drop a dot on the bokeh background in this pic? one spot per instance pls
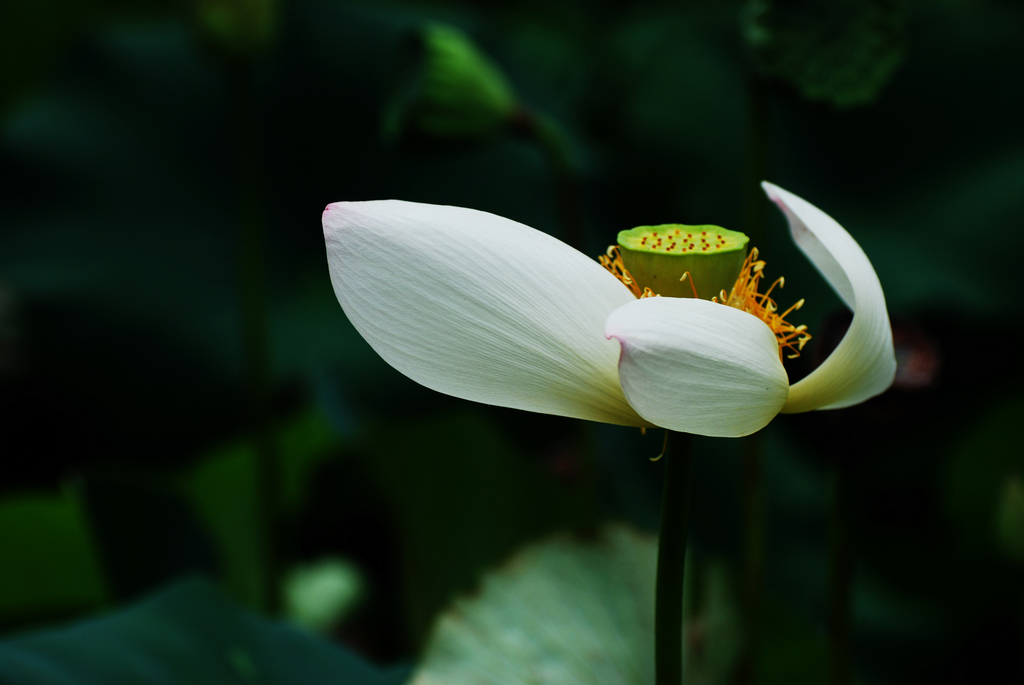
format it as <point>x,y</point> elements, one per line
<point>181,395</point>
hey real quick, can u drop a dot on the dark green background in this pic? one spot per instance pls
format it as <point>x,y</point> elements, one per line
<point>126,461</point>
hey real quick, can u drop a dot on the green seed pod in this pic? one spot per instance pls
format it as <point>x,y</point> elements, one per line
<point>657,257</point>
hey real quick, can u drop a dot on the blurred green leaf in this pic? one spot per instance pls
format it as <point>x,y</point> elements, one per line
<point>578,611</point>
<point>792,649</point>
<point>990,455</point>
<point>306,441</point>
<point>839,51</point>
<point>914,247</point>
<point>187,633</point>
<point>671,97</point>
<point>144,532</point>
<point>223,491</point>
<point>237,28</point>
<point>464,497</point>
<point>451,89</point>
<point>222,487</point>
<point>34,34</point>
<point>48,564</point>
<point>559,612</point>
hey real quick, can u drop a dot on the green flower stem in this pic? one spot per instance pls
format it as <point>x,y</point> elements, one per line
<point>840,576</point>
<point>554,143</point>
<point>668,607</point>
<point>252,240</point>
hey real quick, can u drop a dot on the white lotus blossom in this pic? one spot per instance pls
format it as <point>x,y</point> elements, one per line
<point>484,308</point>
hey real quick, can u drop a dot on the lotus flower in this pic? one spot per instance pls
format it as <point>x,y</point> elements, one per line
<point>484,308</point>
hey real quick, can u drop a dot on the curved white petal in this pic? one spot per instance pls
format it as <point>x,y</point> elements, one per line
<point>864,363</point>
<point>697,366</point>
<point>480,307</point>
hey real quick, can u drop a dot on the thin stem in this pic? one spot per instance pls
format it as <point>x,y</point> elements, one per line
<point>841,563</point>
<point>252,240</point>
<point>668,607</point>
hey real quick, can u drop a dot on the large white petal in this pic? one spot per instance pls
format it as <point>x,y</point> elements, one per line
<point>697,366</point>
<point>479,307</point>
<point>864,363</point>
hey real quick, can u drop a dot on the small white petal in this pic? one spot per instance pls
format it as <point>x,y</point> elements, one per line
<point>480,307</point>
<point>697,366</point>
<point>864,363</point>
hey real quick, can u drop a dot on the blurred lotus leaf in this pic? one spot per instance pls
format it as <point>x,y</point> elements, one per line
<point>449,89</point>
<point>842,51</point>
<point>580,612</point>
<point>187,633</point>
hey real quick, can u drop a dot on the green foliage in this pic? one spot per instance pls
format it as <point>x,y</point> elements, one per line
<point>222,489</point>
<point>982,481</point>
<point>839,51</point>
<point>578,611</point>
<point>35,35</point>
<point>122,382</point>
<point>463,499</point>
<point>792,650</point>
<point>187,633</point>
<point>1009,524</point>
<point>144,533</point>
<point>237,28</point>
<point>49,565</point>
<point>450,90</point>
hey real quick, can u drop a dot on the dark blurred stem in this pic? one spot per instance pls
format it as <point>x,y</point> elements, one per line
<point>668,606</point>
<point>695,609</point>
<point>753,557</point>
<point>840,575</point>
<point>252,238</point>
<point>753,495</point>
<point>554,143</point>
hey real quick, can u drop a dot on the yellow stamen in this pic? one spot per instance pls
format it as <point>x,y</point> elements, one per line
<point>745,296</point>
<point>664,446</point>
<point>686,274</point>
<point>612,261</point>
